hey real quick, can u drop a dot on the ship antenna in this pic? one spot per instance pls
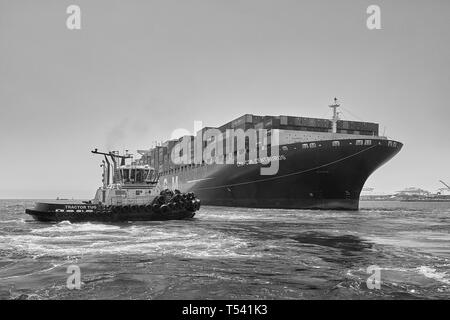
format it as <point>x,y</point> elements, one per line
<point>335,118</point>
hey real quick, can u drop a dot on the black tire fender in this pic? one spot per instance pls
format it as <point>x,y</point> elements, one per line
<point>164,208</point>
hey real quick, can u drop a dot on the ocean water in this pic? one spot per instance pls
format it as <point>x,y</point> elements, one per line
<point>232,253</point>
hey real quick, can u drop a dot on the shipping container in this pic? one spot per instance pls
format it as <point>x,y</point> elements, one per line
<point>224,127</point>
<point>292,121</point>
<point>259,125</point>
<point>238,121</point>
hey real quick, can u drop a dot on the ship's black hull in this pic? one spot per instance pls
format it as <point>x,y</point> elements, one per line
<point>324,177</point>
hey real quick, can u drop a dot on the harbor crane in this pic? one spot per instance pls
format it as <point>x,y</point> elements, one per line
<point>446,185</point>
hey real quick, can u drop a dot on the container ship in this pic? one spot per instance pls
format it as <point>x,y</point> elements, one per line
<point>320,163</point>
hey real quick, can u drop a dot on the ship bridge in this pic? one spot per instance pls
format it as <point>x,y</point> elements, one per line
<point>137,174</point>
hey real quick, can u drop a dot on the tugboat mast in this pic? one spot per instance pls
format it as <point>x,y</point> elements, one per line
<point>335,118</point>
<point>114,157</point>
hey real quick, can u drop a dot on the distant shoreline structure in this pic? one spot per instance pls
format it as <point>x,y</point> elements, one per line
<point>409,194</point>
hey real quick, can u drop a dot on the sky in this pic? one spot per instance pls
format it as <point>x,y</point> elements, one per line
<point>137,70</point>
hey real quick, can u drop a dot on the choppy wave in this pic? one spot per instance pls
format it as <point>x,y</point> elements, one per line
<point>431,273</point>
<point>64,239</point>
<point>232,253</point>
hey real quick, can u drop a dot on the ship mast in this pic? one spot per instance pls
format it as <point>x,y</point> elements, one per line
<point>335,118</point>
<point>114,156</point>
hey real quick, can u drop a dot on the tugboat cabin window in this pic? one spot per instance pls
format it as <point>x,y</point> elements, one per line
<point>125,175</point>
<point>137,175</point>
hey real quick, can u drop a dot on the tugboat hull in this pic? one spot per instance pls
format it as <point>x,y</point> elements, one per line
<point>82,212</point>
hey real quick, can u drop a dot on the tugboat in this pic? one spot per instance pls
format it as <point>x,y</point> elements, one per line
<point>129,193</point>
